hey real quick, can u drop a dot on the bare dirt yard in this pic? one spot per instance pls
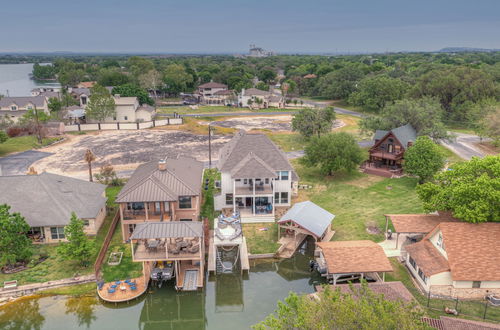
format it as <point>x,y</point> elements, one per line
<point>125,150</point>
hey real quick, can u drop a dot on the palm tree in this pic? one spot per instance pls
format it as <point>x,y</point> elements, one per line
<point>89,158</point>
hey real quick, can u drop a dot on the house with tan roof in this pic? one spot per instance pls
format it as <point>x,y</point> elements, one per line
<point>341,261</point>
<point>258,99</point>
<point>165,190</point>
<point>256,178</point>
<point>213,93</point>
<point>457,259</point>
<point>15,107</point>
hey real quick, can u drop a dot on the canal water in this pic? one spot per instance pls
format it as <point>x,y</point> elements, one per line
<point>228,301</point>
<point>15,80</point>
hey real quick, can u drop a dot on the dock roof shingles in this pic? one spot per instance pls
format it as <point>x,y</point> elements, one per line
<point>182,177</point>
<point>417,223</point>
<point>345,257</point>
<point>48,199</point>
<point>260,145</point>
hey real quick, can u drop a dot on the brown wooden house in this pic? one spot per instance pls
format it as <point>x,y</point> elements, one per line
<point>387,154</point>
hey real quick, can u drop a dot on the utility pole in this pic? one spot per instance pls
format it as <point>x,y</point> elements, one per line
<point>38,130</point>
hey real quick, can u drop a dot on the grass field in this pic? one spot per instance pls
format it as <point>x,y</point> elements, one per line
<point>261,241</point>
<point>192,125</point>
<point>23,143</point>
<point>359,201</point>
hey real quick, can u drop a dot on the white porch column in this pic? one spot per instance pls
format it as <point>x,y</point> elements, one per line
<point>146,206</point>
<point>253,182</point>
<point>234,196</point>
<point>272,197</point>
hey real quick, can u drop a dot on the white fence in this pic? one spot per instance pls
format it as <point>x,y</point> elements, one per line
<point>118,126</point>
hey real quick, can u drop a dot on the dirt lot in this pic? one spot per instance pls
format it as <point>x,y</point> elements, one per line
<point>125,149</point>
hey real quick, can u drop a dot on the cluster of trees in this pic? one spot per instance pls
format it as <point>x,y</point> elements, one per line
<point>332,309</point>
<point>15,246</point>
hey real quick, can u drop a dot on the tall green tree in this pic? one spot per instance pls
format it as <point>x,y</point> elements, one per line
<point>313,121</point>
<point>3,136</point>
<point>424,115</point>
<point>79,247</point>
<point>14,242</point>
<point>340,84</point>
<point>151,80</point>
<point>333,152</point>
<point>332,309</point>
<point>423,159</point>
<point>101,104</point>
<point>470,190</point>
<point>55,105</point>
<point>176,78</point>
<point>133,90</point>
<point>112,77</point>
<point>374,93</point>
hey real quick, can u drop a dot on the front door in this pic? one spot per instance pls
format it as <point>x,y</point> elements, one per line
<point>248,202</point>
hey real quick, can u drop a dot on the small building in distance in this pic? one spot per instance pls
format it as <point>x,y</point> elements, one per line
<point>342,261</point>
<point>387,154</point>
<point>47,200</point>
<point>255,51</point>
<point>14,107</point>
<point>258,99</point>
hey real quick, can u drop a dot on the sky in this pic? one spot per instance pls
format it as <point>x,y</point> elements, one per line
<point>230,26</point>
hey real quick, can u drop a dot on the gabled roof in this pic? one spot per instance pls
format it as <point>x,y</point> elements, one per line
<point>146,107</point>
<point>169,229</point>
<point>182,177</point>
<point>254,92</point>
<point>252,167</point>
<point>125,100</point>
<point>223,92</point>
<point>48,199</point>
<point>80,91</point>
<point>23,101</point>
<point>404,134</point>
<point>418,223</point>
<point>346,257</point>
<point>310,217</point>
<point>212,85</point>
<point>260,145</point>
<point>472,251</point>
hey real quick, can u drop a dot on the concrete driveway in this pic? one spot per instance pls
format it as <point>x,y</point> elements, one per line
<point>19,163</point>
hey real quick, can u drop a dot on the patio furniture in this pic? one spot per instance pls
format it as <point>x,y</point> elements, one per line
<point>133,288</point>
<point>111,290</point>
<point>118,282</point>
<point>113,286</point>
<point>153,244</point>
<point>127,281</point>
<point>172,248</point>
<point>494,300</point>
<point>179,239</point>
<point>194,249</point>
<point>123,288</point>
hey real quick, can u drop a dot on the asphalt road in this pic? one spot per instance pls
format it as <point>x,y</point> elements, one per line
<point>463,145</point>
<point>19,163</point>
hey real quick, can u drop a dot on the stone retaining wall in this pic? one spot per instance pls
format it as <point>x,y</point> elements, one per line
<point>461,293</point>
<point>29,289</point>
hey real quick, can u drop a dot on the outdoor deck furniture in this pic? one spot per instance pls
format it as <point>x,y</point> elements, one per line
<point>194,249</point>
<point>123,288</point>
<point>153,244</point>
<point>113,286</point>
<point>494,300</point>
<point>111,290</point>
<point>117,282</point>
<point>133,288</point>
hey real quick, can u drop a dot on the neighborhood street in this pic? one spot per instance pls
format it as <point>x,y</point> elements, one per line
<point>18,164</point>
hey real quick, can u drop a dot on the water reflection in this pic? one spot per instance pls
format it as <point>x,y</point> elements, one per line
<point>83,308</point>
<point>167,309</point>
<point>229,293</point>
<point>23,315</point>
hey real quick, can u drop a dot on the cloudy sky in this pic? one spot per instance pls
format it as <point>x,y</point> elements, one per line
<point>220,26</point>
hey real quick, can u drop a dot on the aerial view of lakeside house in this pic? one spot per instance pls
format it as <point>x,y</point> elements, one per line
<point>213,165</point>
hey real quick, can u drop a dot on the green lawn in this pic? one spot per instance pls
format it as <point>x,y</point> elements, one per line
<point>451,157</point>
<point>207,206</point>
<point>358,200</point>
<point>261,241</point>
<point>23,143</point>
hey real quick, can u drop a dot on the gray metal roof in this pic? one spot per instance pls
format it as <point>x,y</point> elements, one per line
<point>23,101</point>
<point>310,217</point>
<point>48,199</point>
<point>260,145</point>
<point>212,85</point>
<point>404,134</point>
<point>169,229</point>
<point>255,92</point>
<point>182,177</point>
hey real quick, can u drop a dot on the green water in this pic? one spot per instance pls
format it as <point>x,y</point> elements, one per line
<point>227,302</point>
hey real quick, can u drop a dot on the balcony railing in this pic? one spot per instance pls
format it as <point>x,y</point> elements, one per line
<point>264,189</point>
<point>167,249</point>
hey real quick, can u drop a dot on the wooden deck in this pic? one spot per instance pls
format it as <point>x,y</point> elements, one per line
<point>245,263</point>
<point>211,256</point>
<point>289,245</point>
<point>125,295</point>
<point>187,265</point>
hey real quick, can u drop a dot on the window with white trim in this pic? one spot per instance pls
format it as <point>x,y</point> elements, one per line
<point>422,275</point>
<point>413,263</point>
<point>57,232</point>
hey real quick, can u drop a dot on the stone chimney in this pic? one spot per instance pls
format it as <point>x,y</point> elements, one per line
<point>162,164</point>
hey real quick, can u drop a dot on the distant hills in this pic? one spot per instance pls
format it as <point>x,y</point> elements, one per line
<point>467,50</point>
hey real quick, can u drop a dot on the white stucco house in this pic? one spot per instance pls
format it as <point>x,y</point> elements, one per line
<point>457,259</point>
<point>213,93</point>
<point>15,107</point>
<point>256,178</point>
<point>128,110</point>
<point>258,99</point>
